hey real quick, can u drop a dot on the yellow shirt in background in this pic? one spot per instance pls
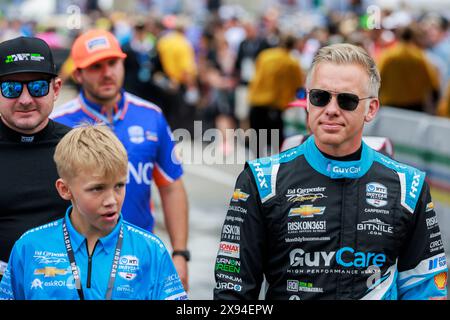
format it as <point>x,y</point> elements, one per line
<point>177,57</point>
<point>444,106</point>
<point>277,77</point>
<point>407,78</point>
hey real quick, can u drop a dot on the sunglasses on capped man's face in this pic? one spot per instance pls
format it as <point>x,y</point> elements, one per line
<point>36,88</point>
<point>345,101</point>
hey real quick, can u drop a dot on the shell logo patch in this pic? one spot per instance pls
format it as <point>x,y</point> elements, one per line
<point>441,280</point>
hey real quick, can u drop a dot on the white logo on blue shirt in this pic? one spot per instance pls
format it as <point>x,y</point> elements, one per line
<point>136,134</point>
<point>36,284</point>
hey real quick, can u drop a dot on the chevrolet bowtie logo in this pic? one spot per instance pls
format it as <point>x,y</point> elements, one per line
<point>306,211</point>
<point>50,272</point>
<point>239,195</point>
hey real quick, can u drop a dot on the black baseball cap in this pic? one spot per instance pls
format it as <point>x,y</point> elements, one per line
<point>26,54</point>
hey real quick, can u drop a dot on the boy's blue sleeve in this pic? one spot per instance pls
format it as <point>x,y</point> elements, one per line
<point>169,286</point>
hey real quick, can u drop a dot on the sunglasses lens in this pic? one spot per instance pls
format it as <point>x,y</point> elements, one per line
<point>319,98</point>
<point>38,88</point>
<point>11,89</point>
<point>347,101</point>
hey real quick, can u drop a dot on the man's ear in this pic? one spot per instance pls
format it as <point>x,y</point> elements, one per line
<point>372,110</point>
<point>76,75</point>
<point>63,189</point>
<point>57,83</point>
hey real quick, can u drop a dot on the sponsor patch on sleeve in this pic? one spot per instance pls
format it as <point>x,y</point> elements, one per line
<point>441,280</point>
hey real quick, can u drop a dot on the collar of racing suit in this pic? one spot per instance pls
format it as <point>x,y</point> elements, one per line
<point>99,112</point>
<point>336,169</point>
<point>355,156</point>
<point>107,243</point>
<point>8,134</point>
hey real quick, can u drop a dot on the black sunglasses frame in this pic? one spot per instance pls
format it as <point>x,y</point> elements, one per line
<point>27,83</point>
<point>346,101</point>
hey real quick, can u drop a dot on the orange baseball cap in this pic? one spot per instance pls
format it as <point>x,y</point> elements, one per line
<point>93,46</point>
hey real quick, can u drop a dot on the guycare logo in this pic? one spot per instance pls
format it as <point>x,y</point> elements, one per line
<point>376,194</point>
<point>346,257</point>
<point>345,170</point>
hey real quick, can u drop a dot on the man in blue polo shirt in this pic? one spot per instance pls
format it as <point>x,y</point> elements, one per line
<point>141,127</point>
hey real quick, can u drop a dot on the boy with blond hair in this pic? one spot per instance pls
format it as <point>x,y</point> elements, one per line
<point>91,253</point>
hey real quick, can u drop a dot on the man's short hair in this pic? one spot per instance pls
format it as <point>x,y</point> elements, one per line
<point>90,147</point>
<point>344,53</point>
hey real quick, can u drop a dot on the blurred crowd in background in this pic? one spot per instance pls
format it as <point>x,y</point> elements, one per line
<point>198,60</point>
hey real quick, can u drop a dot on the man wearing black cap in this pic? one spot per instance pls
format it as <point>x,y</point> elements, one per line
<point>29,88</point>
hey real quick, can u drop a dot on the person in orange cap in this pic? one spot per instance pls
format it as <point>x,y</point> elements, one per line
<point>143,130</point>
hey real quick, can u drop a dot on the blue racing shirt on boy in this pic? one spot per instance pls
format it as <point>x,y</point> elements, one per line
<point>39,266</point>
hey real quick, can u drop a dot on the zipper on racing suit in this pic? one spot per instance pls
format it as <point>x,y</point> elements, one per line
<point>88,281</point>
<point>341,236</point>
<point>349,216</point>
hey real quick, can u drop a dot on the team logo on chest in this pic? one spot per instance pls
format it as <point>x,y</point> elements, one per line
<point>376,194</point>
<point>136,134</point>
<point>128,267</point>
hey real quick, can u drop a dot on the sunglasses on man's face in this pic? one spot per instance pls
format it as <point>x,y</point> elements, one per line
<point>36,88</point>
<point>345,101</point>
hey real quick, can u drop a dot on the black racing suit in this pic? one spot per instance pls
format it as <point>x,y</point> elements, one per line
<point>28,196</point>
<point>318,228</point>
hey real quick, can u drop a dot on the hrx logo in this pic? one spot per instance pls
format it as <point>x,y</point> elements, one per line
<point>414,185</point>
<point>260,175</point>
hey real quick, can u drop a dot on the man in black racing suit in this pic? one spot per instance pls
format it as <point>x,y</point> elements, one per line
<point>332,218</point>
